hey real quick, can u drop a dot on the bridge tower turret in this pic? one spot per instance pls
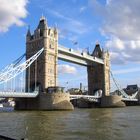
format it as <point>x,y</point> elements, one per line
<point>28,35</point>
<point>45,69</point>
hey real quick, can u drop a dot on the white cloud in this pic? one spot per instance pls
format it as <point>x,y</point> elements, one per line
<point>66,69</point>
<point>12,12</point>
<point>116,58</point>
<point>125,71</point>
<point>121,20</point>
<point>123,51</point>
<point>116,43</point>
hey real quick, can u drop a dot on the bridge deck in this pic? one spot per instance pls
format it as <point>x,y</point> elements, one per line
<point>128,99</point>
<point>98,97</point>
<point>18,94</point>
<point>87,97</point>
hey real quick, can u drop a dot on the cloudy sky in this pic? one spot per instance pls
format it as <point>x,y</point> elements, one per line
<point>115,24</point>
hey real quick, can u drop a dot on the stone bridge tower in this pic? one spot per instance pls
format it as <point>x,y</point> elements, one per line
<point>45,69</point>
<point>98,74</point>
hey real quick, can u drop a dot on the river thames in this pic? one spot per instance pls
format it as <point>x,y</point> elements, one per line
<point>80,124</point>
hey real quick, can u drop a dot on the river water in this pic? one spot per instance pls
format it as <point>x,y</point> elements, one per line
<point>80,124</point>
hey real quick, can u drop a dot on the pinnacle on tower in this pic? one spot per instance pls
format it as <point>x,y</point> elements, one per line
<point>42,17</point>
<point>97,51</point>
<point>97,43</point>
<point>28,32</point>
<point>42,23</point>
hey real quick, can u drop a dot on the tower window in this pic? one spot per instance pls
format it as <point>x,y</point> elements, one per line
<point>41,33</point>
<point>50,82</point>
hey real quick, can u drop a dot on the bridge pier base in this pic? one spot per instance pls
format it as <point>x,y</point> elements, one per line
<point>112,101</point>
<point>84,103</point>
<point>45,101</point>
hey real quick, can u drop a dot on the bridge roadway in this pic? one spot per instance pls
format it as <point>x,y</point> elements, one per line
<point>96,98</point>
<point>77,57</point>
<point>88,97</point>
<point>12,94</point>
<point>129,99</point>
<point>91,98</point>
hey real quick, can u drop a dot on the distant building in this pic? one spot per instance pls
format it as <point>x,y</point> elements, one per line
<point>131,89</point>
<point>74,91</point>
<point>77,91</point>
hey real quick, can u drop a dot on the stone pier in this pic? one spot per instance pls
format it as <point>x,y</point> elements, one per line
<point>45,101</point>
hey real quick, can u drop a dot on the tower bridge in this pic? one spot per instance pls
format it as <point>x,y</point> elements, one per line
<point>98,63</point>
<point>42,69</point>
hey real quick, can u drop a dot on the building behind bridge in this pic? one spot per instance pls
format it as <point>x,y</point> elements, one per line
<point>131,89</point>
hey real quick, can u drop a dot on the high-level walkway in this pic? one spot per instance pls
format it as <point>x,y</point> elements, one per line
<point>77,57</point>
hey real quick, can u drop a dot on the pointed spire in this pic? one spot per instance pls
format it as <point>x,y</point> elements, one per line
<point>28,32</point>
<point>42,17</point>
<point>97,42</point>
<point>42,23</point>
<point>97,52</point>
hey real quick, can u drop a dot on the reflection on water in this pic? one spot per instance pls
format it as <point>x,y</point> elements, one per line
<point>80,124</point>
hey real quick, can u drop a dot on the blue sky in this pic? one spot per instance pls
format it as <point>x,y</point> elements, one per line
<point>114,24</point>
